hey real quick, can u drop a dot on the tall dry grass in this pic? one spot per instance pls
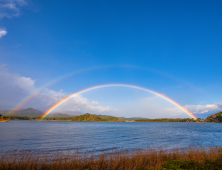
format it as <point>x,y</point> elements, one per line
<point>192,158</point>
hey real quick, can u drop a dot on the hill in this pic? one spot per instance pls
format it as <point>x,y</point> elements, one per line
<point>215,118</point>
<point>96,118</point>
<point>29,112</point>
<point>111,118</point>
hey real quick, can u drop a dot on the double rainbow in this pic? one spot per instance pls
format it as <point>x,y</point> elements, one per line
<point>117,85</point>
<point>26,99</point>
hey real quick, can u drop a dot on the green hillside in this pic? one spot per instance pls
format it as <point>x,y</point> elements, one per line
<point>215,117</point>
<point>111,118</point>
<point>88,117</point>
<point>96,118</point>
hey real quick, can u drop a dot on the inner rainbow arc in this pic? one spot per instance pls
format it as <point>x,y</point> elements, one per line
<point>117,85</point>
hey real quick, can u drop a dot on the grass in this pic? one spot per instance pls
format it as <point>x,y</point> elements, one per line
<point>192,158</point>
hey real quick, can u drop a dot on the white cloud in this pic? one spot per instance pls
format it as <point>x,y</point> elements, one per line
<point>10,80</point>
<point>77,103</point>
<point>2,32</point>
<point>14,87</point>
<point>81,104</point>
<point>11,8</point>
<point>204,109</point>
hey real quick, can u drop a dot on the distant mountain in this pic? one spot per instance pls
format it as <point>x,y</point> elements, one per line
<point>30,112</point>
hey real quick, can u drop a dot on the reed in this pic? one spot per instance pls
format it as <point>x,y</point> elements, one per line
<point>192,158</point>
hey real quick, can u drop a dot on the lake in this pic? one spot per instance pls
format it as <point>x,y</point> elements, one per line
<point>106,136</point>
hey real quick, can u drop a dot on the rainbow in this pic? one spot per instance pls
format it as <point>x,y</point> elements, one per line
<point>27,98</point>
<point>117,85</point>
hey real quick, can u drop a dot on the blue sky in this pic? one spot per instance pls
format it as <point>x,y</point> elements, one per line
<point>172,47</point>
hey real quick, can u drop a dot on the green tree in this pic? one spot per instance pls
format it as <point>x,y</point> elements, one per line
<point>0,115</point>
<point>199,119</point>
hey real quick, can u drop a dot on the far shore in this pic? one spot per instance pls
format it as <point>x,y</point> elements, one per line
<point>56,120</point>
<point>106,121</point>
<point>106,118</point>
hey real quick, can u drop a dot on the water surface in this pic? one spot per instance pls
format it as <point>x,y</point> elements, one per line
<point>106,136</point>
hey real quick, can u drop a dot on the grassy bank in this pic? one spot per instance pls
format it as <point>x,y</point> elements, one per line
<point>3,120</point>
<point>193,158</point>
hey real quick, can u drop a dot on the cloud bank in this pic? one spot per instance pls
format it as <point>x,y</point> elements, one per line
<point>14,87</point>
<point>205,109</point>
<point>77,103</point>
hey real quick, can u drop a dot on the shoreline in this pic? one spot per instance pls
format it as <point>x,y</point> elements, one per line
<point>106,121</point>
<point>5,120</point>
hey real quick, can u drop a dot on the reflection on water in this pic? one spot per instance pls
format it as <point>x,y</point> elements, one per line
<point>105,136</point>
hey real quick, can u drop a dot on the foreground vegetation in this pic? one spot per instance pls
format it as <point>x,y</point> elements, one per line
<point>193,158</point>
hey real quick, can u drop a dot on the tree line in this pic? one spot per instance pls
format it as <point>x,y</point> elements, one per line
<point>217,118</point>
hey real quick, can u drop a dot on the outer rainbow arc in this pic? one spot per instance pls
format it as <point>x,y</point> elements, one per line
<point>37,91</point>
<point>118,85</point>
